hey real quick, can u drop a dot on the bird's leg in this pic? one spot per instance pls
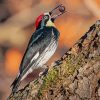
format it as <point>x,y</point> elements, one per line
<point>56,63</point>
<point>44,72</point>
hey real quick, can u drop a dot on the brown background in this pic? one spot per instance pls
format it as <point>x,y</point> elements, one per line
<point>17,18</point>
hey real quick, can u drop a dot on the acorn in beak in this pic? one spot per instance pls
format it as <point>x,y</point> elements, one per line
<point>57,11</point>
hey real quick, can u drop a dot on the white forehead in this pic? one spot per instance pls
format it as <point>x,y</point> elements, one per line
<point>46,13</point>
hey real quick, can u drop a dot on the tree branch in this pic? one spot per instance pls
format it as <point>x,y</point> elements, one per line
<point>76,76</point>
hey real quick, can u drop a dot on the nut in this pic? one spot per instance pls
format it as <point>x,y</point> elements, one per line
<point>62,8</point>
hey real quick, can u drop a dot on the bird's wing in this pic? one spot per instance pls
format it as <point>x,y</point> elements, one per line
<point>37,44</point>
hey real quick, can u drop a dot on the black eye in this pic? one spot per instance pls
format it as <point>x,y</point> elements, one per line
<point>46,17</point>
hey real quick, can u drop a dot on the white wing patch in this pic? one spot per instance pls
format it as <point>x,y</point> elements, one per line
<point>47,53</point>
<point>35,57</point>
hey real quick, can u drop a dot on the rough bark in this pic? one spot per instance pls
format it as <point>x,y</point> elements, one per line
<point>76,76</point>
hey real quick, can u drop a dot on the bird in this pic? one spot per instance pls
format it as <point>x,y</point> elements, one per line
<point>42,45</point>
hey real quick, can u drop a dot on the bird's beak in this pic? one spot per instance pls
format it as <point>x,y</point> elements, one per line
<point>57,11</point>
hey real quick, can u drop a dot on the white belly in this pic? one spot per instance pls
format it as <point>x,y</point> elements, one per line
<point>47,53</point>
<point>44,57</point>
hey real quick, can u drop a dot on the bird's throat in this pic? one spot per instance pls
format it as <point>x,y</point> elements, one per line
<point>50,23</point>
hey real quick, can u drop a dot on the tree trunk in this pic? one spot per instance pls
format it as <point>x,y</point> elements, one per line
<point>76,76</point>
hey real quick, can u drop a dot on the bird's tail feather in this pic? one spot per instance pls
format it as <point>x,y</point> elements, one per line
<point>15,84</point>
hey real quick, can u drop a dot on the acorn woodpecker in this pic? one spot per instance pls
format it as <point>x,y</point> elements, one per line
<point>42,45</point>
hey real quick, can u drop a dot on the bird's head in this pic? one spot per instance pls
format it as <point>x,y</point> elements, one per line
<point>47,19</point>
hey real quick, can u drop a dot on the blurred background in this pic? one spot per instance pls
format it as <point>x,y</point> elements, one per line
<point>17,18</point>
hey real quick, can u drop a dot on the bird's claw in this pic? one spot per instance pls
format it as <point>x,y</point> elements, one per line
<point>44,73</point>
<point>58,62</point>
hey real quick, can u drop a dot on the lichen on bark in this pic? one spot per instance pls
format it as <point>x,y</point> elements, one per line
<point>76,76</point>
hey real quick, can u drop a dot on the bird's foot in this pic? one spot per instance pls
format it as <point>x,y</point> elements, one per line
<point>44,72</point>
<point>56,63</point>
<point>41,74</point>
